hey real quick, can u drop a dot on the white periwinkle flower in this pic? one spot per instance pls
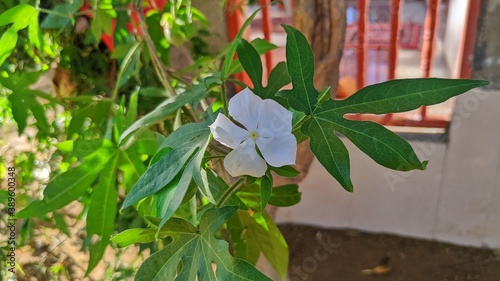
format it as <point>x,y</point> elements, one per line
<point>267,125</point>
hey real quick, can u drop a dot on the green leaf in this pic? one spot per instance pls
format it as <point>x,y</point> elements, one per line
<point>196,250</point>
<point>102,212</point>
<point>285,195</point>
<point>194,139</point>
<point>401,95</point>
<point>70,185</point>
<point>131,167</point>
<point>256,233</point>
<point>329,150</point>
<point>266,188</point>
<point>21,16</point>
<point>218,187</point>
<point>96,110</point>
<point>299,56</point>
<point>57,20</point>
<point>23,101</point>
<point>381,144</point>
<point>147,235</point>
<point>263,46</point>
<point>101,22</point>
<point>251,62</point>
<point>159,174</point>
<point>166,108</point>
<point>285,171</point>
<point>226,67</point>
<point>7,44</point>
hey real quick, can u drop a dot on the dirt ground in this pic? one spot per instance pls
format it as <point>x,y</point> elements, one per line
<point>346,255</point>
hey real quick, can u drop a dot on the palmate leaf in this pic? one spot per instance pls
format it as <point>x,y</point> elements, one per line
<point>20,16</point>
<point>197,251</point>
<point>251,62</point>
<point>253,234</point>
<point>324,119</point>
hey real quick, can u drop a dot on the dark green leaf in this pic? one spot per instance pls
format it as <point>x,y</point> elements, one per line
<point>196,251</point>
<point>285,195</point>
<point>266,188</point>
<point>250,60</point>
<point>401,95</point>
<point>299,56</point>
<point>329,150</point>
<point>285,171</point>
<point>381,144</point>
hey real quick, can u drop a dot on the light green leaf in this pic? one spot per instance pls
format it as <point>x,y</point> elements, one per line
<point>7,44</point>
<point>70,185</point>
<point>196,251</point>
<point>285,195</point>
<point>102,212</point>
<point>131,167</point>
<point>21,16</point>
<point>256,233</point>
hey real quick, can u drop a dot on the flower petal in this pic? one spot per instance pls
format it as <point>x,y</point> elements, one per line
<point>227,133</point>
<point>245,161</point>
<point>279,150</point>
<point>244,108</point>
<point>274,117</point>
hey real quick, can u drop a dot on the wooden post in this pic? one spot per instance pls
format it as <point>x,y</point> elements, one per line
<point>393,45</point>
<point>267,30</point>
<point>469,38</point>
<point>428,43</point>
<point>363,9</point>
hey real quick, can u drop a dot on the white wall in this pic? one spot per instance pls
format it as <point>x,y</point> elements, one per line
<point>457,199</point>
<point>455,26</point>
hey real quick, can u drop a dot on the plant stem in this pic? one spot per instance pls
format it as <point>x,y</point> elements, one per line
<point>194,209</point>
<point>223,96</point>
<point>297,126</point>
<point>229,192</point>
<point>157,63</point>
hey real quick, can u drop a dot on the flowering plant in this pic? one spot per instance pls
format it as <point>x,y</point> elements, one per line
<point>198,170</point>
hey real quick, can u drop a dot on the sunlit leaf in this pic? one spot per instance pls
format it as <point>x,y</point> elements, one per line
<point>253,234</point>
